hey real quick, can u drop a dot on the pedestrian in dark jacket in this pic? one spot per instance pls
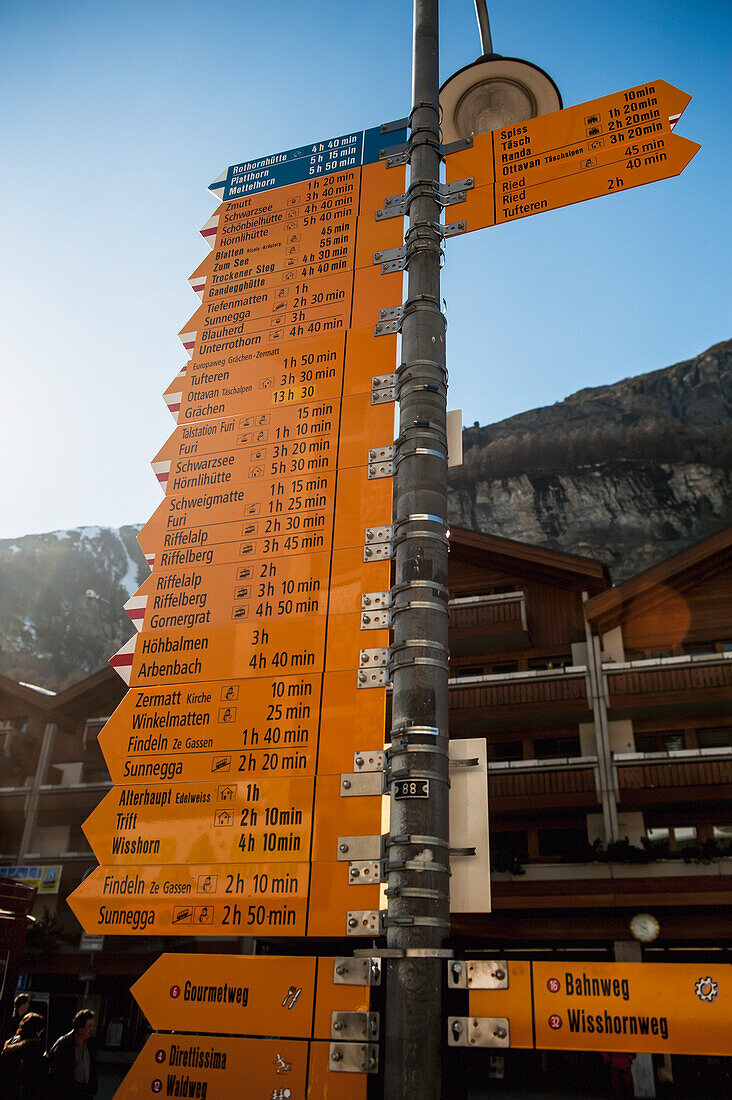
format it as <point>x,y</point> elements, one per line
<point>21,1005</point>
<point>71,1062</point>
<point>22,1064</point>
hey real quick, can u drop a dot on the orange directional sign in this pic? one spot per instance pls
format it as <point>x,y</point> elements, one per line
<point>682,1008</point>
<point>583,152</point>
<point>236,899</point>
<point>251,448</point>
<point>245,650</point>
<point>554,141</point>
<point>226,822</point>
<point>246,995</point>
<point>308,370</point>
<point>309,585</point>
<point>236,324</point>
<point>215,1067</point>
<point>587,178</point>
<point>674,1008</point>
<point>240,728</point>
<point>201,536</point>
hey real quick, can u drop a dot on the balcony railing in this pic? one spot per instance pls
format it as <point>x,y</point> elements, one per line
<point>673,681</point>
<point>483,703</point>
<point>488,624</point>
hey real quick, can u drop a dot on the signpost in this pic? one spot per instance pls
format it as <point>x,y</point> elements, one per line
<point>248,756</point>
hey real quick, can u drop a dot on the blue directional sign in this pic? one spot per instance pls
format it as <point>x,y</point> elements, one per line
<point>319,158</point>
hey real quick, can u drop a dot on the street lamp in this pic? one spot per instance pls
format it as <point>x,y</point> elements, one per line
<point>494,91</point>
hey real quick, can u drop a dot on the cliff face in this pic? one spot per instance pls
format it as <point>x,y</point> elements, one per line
<point>628,518</point>
<point>61,597</point>
<point>629,474</point>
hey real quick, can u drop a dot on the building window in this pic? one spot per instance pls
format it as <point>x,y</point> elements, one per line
<point>507,750</point>
<point>674,837</point>
<point>469,670</point>
<point>504,666</point>
<point>715,738</point>
<point>661,741</point>
<point>553,747</point>
<point>701,649</point>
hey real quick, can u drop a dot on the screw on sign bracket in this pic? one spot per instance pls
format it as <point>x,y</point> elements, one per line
<point>357,971</point>
<point>477,974</point>
<point>355,1025</point>
<point>364,922</point>
<point>354,1058</point>
<point>478,1031</point>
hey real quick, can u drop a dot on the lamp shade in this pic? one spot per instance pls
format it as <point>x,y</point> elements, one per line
<point>495,91</point>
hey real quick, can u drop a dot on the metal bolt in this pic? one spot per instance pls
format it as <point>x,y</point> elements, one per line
<point>358,761</point>
<point>352,922</point>
<point>362,677</point>
<point>364,658</point>
<point>369,535</point>
<point>346,784</point>
<point>340,969</point>
<point>336,1056</point>
<point>338,1026</point>
<point>379,213</point>
<point>500,1033</point>
<point>342,847</point>
<point>377,256</point>
<point>499,975</point>
<point>354,872</point>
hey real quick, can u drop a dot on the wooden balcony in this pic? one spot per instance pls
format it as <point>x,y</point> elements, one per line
<point>540,786</point>
<point>675,780</point>
<point>488,624</point>
<point>518,700</point>
<point>674,685</point>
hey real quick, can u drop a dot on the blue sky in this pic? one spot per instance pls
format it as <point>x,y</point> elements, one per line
<point>116,115</point>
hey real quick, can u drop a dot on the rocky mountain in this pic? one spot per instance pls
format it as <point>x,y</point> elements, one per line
<point>61,597</point>
<point>629,473</point>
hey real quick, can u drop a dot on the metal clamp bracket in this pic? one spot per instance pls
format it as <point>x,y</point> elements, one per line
<point>394,207</point>
<point>454,229</point>
<point>397,124</point>
<point>478,974</point>
<point>457,146</point>
<point>381,462</point>
<point>470,762</point>
<point>369,761</point>
<point>415,892</point>
<point>478,1031</point>
<point>357,971</point>
<point>364,922</point>
<point>354,1025</point>
<point>422,922</point>
<point>416,865</point>
<point>353,1058</point>
<point>360,847</point>
<point>363,872</point>
<point>405,731</point>
<point>373,658</point>
<point>361,784</point>
<point>378,543</point>
<point>385,328</point>
<point>383,389</point>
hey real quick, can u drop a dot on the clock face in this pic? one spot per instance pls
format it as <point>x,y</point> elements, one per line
<point>644,927</point>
